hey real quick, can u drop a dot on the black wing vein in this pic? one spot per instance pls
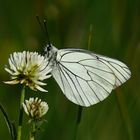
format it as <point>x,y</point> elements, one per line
<point>94,92</point>
<point>101,77</point>
<point>118,71</point>
<point>70,85</point>
<point>82,90</point>
<point>97,83</point>
<point>111,70</point>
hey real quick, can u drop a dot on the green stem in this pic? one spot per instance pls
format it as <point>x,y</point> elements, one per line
<point>90,36</point>
<point>78,120</point>
<point>20,114</point>
<point>80,108</point>
<point>33,131</point>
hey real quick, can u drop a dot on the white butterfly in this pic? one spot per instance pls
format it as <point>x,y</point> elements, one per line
<point>84,77</point>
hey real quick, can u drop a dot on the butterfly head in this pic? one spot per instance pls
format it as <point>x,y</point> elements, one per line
<point>49,50</point>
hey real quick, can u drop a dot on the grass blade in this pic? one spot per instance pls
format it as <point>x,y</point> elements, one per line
<point>10,125</point>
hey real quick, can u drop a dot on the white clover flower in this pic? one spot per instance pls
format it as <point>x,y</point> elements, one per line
<point>35,108</point>
<point>28,68</point>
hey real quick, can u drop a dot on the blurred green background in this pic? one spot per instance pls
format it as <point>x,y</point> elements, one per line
<point>116,33</point>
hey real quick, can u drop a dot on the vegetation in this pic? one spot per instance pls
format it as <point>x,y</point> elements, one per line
<point>115,33</point>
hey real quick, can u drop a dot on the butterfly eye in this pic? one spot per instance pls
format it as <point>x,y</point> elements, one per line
<point>48,47</point>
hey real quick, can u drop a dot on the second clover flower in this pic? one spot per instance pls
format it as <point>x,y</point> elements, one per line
<point>28,68</point>
<point>35,108</point>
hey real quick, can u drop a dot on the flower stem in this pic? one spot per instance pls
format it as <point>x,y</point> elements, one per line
<point>78,120</point>
<point>33,131</point>
<point>20,114</point>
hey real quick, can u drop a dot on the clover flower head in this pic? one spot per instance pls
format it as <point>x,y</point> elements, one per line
<point>28,68</point>
<point>35,108</point>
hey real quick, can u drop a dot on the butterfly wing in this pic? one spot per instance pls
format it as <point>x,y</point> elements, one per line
<point>87,78</point>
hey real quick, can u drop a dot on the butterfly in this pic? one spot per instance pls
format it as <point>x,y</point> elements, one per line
<point>84,77</point>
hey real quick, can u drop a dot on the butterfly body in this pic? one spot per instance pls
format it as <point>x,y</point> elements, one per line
<point>84,77</point>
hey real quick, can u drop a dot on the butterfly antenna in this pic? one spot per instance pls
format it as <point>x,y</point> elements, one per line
<point>38,20</point>
<point>46,31</point>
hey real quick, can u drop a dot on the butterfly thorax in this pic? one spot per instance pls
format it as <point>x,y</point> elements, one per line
<point>50,53</point>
